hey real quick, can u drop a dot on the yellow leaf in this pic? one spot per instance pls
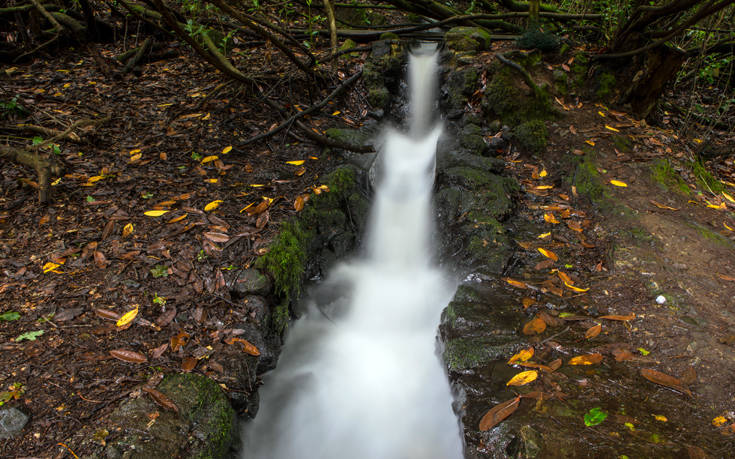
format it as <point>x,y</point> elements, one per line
<point>575,289</point>
<point>211,180</point>
<point>336,113</point>
<point>247,207</point>
<point>548,254</point>
<point>544,235</point>
<point>227,150</point>
<point>590,142</point>
<point>51,267</point>
<point>297,162</point>
<point>601,114</point>
<point>209,159</point>
<point>134,152</point>
<point>543,187</point>
<point>550,218</point>
<point>718,207</point>
<point>155,213</point>
<point>660,417</point>
<point>618,183</point>
<point>178,219</point>
<point>589,359</point>
<point>207,116</point>
<point>256,185</point>
<point>728,197</point>
<point>543,173</point>
<point>610,128</point>
<point>66,85</point>
<point>136,157</point>
<point>523,378</point>
<point>127,317</point>
<point>212,205</point>
<point>718,421</point>
<point>522,356</point>
<point>697,140</point>
<point>96,178</point>
<point>128,230</point>
<point>727,227</point>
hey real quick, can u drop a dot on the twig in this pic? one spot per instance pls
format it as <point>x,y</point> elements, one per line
<point>337,91</point>
<point>555,335</point>
<point>77,124</point>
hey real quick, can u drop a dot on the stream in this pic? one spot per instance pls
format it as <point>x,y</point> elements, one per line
<point>360,375</point>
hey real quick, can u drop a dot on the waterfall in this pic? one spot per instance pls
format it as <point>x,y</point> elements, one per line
<point>366,382</point>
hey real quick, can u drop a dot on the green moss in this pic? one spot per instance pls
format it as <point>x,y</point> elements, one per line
<point>579,69</point>
<point>705,179</point>
<point>467,39</point>
<point>622,143</point>
<point>663,173</point>
<point>531,136</point>
<point>535,38</point>
<point>511,103</point>
<point>713,236</point>
<point>465,353</point>
<point>605,85</point>
<point>587,181</point>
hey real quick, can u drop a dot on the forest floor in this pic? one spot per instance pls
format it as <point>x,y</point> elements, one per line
<point>72,269</point>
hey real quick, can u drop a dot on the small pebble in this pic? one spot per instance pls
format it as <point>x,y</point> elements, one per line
<point>660,299</point>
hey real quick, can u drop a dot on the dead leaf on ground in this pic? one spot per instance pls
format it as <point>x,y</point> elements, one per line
<point>498,413</point>
<point>548,254</point>
<point>555,364</point>
<point>128,356</point>
<point>515,283</point>
<point>587,359</point>
<point>166,317</point>
<point>523,378</point>
<point>622,355</point>
<point>550,320</point>
<point>534,327</point>
<point>158,351</point>
<point>665,380</point>
<point>593,331</point>
<point>522,355</point>
<point>188,364</point>
<point>527,302</point>
<point>161,399</point>
<point>247,346</point>
<point>689,376</point>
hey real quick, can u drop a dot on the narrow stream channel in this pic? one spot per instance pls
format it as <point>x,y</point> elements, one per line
<point>359,377</point>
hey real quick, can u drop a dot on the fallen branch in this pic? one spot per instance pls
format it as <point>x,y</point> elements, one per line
<point>141,50</point>
<point>526,76</point>
<point>70,130</point>
<point>45,167</point>
<point>318,106</point>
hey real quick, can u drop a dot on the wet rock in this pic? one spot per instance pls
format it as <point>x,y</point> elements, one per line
<point>459,87</point>
<point>467,39</point>
<point>250,282</point>
<point>471,138</point>
<point>351,136</point>
<point>531,136</point>
<point>205,425</point>
<point>383,72</point>
<point>496,144</point>
<point>257,308</point>
<point>12,421</point>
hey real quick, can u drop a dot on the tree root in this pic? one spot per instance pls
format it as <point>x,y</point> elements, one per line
<point>537,91</point>
<point>45,167</point>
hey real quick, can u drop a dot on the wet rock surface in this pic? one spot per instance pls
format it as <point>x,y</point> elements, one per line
<point>12,421</point>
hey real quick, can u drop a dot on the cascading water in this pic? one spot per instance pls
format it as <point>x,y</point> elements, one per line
<point>368,383</point>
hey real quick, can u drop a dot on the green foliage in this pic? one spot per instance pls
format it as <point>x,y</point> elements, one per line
<point>159,300</point>
<point>286,259</point>
<point>11,107</point>
<point>594,417</point>
<point>535,38</point>
<point>196,156</point>
<point>10,315</point>
<point>16,390</point>
<point>705,179</point>
<point>159,271</point>
<point>712,67</point>
<point>30,336</point>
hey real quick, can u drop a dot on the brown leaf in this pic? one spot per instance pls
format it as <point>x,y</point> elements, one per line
<point>555,364</point>
<point>262,220</point>
<point>587,359</point>
<point>498,413</point>
<point>189,364</point>
<point>100,260</point>
<point>158,351</point>
<point>630,316</point>
<point>128,356</point>
<point>593,331</point>
<point>166,317</point>
<point>539,366</point>
<point>665,380</point>
<point>68,314</point>
<point>247,346</point>
<point>689,376</point>
<point>534,327</point>
<point>298,204</point>
<point>179,340</point>
<point>544,264</point>
<point>622,355</point>
<point>108,229</point>
<point>550,320</point>
<point>106,314</point>
<point>527,302</point>
<point>216,237</point>
<point>161,399</point>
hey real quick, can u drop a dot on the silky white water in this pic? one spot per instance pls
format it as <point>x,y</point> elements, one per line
<point>360,377</point>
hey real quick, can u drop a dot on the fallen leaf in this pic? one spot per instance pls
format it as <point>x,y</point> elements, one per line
<point>587,359</point>
<point>100,260</point>
<point>127,317</point>
<point>610,128</point>
<point>522,356</point>
<point>523,378</point>
<point>534,327</point>
<point>51,267</point>
<point>622,355</point>
<point>227,149</point>
<point>544,235</point>
<point>689,376</point>
<point>550,320</point>
<point>209,159</point>
<point>630,316</point>
<point>550,218</point>
<point>575,289</point>
<point>216,237</point>
<point>718,421</point>
<point>555,364</point>
<point>618,183</point>
<point>526,301</point>
<point>167,316</point>
<point>564,277</point>
<point>158,351</point>
<point>128,356</point>
<point>296,162</point>
<point>660,417</point>
<point>548,254</point>
<point>665,380</point>
<point>155,213</point>
<point>498,413</point>
<point>247,346</point>
<point>177,219</point>
<point>593,331</point>
<point>128,230</point>
<point>179,340</point>
<point>212,205</point>
<point>161,399</point>
<point>188,364</point>
<point>515,283</point>
<point>661,206</point>
<point>298,204</point>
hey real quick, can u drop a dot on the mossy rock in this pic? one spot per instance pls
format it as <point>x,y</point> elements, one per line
<point>605,85</point>
<point>579,68</point>
<point>506,98</point>
<point>350,136</point>
<point>471,138</point>
<point>467,39</point>
<point>204,427</point>
<point>587,180</point>
<point>663,173</point>
<point>462,354</point>
<point>459,86</point>
<point>535,38</point>
<point>531,136</point>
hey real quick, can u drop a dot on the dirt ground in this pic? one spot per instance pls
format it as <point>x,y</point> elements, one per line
<point>656,241</point>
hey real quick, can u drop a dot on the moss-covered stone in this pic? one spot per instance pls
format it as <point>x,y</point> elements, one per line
<point>587,181</point>
<point>506,98</point>
<point>350,136</point>
<point>535,38</point>
<point>579,68</point>
<point>465,353</point>
<point>531,136</point>
<point>663,173</point>
<point>379,97</point>
<point>605,85</point>
<point>204,427</point>
<point>471,138</point>
<point>460,85</point>
<point>467,39</point>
